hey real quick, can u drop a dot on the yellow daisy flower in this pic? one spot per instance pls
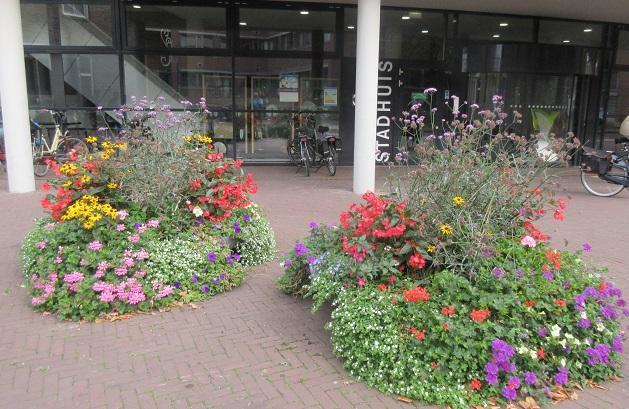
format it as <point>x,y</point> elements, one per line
<point>431,248</point>
<point>91,139</point>
<point>458,200</point>
<point>446,229</point>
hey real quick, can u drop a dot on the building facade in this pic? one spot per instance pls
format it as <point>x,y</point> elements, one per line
<point>258,63</point>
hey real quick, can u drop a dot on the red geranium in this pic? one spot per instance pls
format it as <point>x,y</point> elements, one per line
<point>560,302</point>
<point>447,311</point>
<point>475,384</point>
<point>417,294</point>
<point>417,261</point>
<point>479,315</point>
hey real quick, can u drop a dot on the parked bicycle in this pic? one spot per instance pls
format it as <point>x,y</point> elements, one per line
<point>606,173</point>
<point>62,143</point>
<point>313,147</point>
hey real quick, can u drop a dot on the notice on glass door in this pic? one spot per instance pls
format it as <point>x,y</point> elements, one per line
<point>289,88</point>
<point>330,96</point>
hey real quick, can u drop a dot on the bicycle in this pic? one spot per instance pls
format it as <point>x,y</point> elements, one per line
<point>606,173</point>
<point>59,147</point>
<point>313,147</point>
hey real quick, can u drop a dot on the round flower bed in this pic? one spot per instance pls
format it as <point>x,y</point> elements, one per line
<point>150,220</point>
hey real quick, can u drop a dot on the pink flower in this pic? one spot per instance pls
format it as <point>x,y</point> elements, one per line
<point>136,297</point>
<point>49,226</point>
<point>165,292</point>
<point>53,276</point>
<point>139,274</point>
<point>83,262</point>
<point>74,277</point>
<point>58,260</point>
<point>142,254</point>
<point>361,282</point>
<point>134,239</point>
<point>141,228</point>
<point>95,246</point>
<point>99,274</point>
<point>107,296</point>
<point>121,227</point>
<point>128,262</point>
<point>41,245</point>
<point>120,271</point>
<point>153,223</point>
<point>122,214</point>
<point>37,301</point>
<point>528,241</point>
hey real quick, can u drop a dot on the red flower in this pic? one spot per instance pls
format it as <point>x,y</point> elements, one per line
<point>417,294</point>
<point>434,365</point>
<point>446,326</point>
<point>561,203</point>
<point>560,302</point>
<point>529,303</point>
<point>603,286</point>
<point>558,215</point>
<point>479,315</point>
<point>475,384</point>
<point>392,279</point>
<point>195,184</point>
<point>361,282</point>
<point>447,311</point>
<point>45,186</point>
<point>417,261</point>
<point>541,354</point>
<point>537,191</point>
<point>554,256</point>
<point>420,335</point>
<point>382,287</point>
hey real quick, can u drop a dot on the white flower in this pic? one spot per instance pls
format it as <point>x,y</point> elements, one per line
<point>555,330</point>
<point>533,355</point>
<point>584,315</point>
<point>569,337</point>
<point>578,364</point>
<point>563,362</point>
<point>563,344</point>
<point>600,326</point>
<point>197,211</point>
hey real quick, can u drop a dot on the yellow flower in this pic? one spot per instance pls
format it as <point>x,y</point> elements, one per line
<point>106,154</point>
<point>431,248</point>
<point>446,229</point>
<point>112,185</point>
<point>458,200</point>
<point>68,169</point>
<point>91,139</point>
<point>67,183</point>
<point>85,179</point>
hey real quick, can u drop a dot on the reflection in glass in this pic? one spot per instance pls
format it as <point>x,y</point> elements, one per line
<point>38,80</point>
<point>91,80</point>
<point>570,33</point>
<point>73,24</point>
<point>411,34</point>
<point>287,30</point>
<point>157,27</point>
<point>622,55</point>
<point>494,28</point>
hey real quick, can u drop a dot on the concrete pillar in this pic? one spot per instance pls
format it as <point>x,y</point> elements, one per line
<point>14,100</point>
<point>367,49</point>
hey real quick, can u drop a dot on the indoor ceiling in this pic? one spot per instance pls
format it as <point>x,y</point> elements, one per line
<point>590,10</point>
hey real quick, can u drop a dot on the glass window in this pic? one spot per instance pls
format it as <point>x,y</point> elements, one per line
<point>349,35</point>
<point>38,68</point>
<point>622,55</point>
<point>570,33</point>
<point>157,27</point>
<point>91,80</point>
<point>494,28</point>
<point>72,24</point>
<point>177,78</point>
<point>287,30</point>
<point>411,34</point>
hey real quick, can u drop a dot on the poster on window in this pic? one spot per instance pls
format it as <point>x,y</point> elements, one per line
<point>289,88</point>
<point>330,96</point>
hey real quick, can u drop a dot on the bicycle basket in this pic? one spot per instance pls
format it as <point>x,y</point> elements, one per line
<point>596,161</point>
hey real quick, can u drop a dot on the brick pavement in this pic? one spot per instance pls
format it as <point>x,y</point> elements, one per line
<point>251,348</point>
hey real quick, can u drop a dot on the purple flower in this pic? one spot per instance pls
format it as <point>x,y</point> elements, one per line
<point>246,217</point>
<point>609,312</point>
<point>561,377</point>
<point>222,276</point>
<point>205,288</point>
<point>519,272</point>
<point>313,225</point>
<point>548,275</point>
<point>542,332</point>
<point>491,379</point>
<point>300,250</point>
<point>509,393</point>
<point>237,229</point>
<point>211,257</point>
<point>311,260</point>
<point>617,344</point>
<point>598,355</point>
<point>288,262</point>
<point>177,284</point>
<point>498,272</point>
<point>586,247</point>
<point>194,278</point>
<point>215,280</point>
<point>530,378</point>
<point>584,323</point>
<point>514,382</point>
<point>567,284</point>
<point>491,368</point>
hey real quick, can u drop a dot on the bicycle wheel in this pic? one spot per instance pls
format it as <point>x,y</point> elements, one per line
<point>293,152</point>
<point>305,156</point>
<point>40,167</point>
<point>601,187</point>
<point>67,144</point>
<point>330,160</point>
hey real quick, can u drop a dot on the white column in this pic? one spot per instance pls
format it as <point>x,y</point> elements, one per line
<point>17,139</point>
<point>367,48</point>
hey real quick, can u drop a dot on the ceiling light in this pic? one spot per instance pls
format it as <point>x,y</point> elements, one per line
<point>504,24</point>
<point>243,23</point>
<point>566,41</point>
<point>587,30</point>
<point>406,17</point>
<point>304,12</point>
<point>350,27</point>
<point>496,36</point>
<point>424,31</point>
<point>137,6</point>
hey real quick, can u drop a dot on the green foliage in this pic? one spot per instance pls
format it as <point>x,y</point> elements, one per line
<point>256,241</point>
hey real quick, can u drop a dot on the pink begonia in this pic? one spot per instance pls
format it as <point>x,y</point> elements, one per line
<point>122,214</point>
<point>141,254</point>
<point>49,226</point>
<point>41,245</point>
<point>153,223</point>
<point>128,262</point>
<point>58,260</point>
<point>165,292</point>
<point>107,296</point>
<point>74,277</point>
<point>134,239</point>
<point>53,276</point>
<point>95,245</point>
<point>121,227</point>
<point>83,262</point>
<point>120,271</point>
<point>136,298</point>
<point>528,241</point>
<point>74,287</point>
<point>99,274</point>
<point>128,253</point>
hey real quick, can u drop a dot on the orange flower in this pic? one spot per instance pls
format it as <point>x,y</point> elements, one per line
<point>541,354</point>
<point>420,335</point>
<point>447,311</point>
<point>560,302</point>
<point>416,294</point>
<point>479,315</point>
<point>529,303</point>
<point>475,384</point>
<point>554,256</point>
<point>382,287</point>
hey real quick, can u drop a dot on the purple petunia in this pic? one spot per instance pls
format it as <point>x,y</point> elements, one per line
<point>222,276</point>
<point>313,225</point>
<point>514,382</point>
<point>215,280</point>
<point>561,377</point>
<point>205,288</point>
<point>548,275</point>
<point>491,378</point>
<point>211,257</point>
<point>598,355</point>
<point>519,272</point>
<point>194,278</point>
<point>246,217</point>
<point>497,272</point>
<point>530,378</point>
<point>609,312</point>
<point>288,262</point>
<point>311,260</point>
<point>542,332</point>
<point>509,393</point>
<point>586,247</point>
<point>177,284</point>
<point>237,228</point>
<point>617,344</point>
<point>300,250</point>
<point>584,323</point>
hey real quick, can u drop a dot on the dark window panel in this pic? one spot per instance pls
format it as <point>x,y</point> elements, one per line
<point>570,33</point>
<point>473,27</point>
